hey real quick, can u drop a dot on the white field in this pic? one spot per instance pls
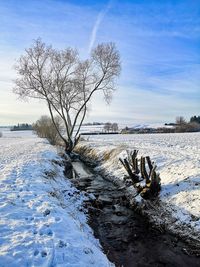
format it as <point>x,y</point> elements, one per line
<point>178,159</point>
<point>100,128</point>
<point>41,223</point>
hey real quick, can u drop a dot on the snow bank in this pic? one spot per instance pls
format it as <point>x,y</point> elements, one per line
<point>177,157</point>
<point>42,221</point>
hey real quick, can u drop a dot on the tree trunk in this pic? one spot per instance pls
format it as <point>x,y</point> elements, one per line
<point>69,146</point>
<point>152,185</point>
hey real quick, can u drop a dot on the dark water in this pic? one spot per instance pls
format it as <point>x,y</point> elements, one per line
<point>126,237</point>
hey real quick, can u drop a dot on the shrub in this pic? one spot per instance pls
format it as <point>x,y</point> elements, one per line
<point>188,127</point>
<point>45,128</point>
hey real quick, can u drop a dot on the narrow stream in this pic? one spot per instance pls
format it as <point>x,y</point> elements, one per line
<point>126,237</point>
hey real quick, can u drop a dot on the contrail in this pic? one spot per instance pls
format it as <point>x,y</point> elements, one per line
<point>99,19</point>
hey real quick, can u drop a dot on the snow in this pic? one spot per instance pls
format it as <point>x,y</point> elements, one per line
<point>151,125</point>
<point>42,220</point>
<point>178,159</point>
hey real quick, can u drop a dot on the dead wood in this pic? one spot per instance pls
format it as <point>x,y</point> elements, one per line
<point>140,173</point>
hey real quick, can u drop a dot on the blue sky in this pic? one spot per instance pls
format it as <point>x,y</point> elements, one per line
<point>159,43</point>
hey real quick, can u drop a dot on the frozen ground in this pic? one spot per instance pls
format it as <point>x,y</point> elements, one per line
<point>178,160</point>
<point>41,222</point>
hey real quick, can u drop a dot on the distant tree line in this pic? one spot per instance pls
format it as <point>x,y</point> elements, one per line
<point>183,126</point>
<point>93,123</point>
<point>111,127</point>
<point>179,126</point>
<point>195,119</point>
<point>22,127</point>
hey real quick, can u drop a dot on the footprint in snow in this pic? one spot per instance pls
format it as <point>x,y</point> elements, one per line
<point>43,253</point>
<point>61,244</point>
<point>41,232</point>
<point>49,232</point>
<point>36,252</point>
<point>46,231</point>
<point>29,218</point>
<point>88,251</point>
<point>35,232</point>
<point>46,212</point>
<point>57,219</point>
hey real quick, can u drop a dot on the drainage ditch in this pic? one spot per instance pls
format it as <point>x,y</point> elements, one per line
<point>127,238</point>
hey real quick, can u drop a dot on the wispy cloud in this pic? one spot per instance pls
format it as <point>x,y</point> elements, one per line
<point>97,23</point>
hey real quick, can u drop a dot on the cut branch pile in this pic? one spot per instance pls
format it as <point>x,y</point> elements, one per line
<point>140,171</point>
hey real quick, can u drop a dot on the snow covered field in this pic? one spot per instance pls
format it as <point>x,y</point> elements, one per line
<point>178,159</point>
<point>41,222</point>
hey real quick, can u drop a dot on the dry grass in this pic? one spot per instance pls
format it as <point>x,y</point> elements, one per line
<point>104,156</point>
<point>86,151</point>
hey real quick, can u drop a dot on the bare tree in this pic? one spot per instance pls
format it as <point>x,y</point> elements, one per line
<point>180,120</point>
<point>108,126</point>
<point>181,124</point>
<point>115,127</point>
<point>67,83</point>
